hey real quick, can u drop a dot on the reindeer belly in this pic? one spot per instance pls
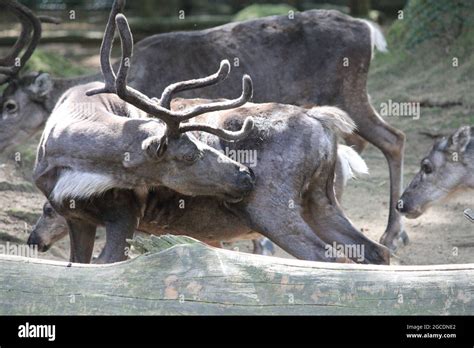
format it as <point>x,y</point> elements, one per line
<point>203,218</point>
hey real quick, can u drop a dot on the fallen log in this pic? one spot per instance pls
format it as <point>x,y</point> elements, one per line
<point>179,275</point>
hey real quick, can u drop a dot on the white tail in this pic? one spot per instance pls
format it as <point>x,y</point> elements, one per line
<point>352,165</point>
<point>377,40</point>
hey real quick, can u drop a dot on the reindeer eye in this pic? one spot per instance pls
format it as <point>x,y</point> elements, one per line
<point>426,167</point>
<point>191,157</point>
<point>48,211</point>
<point>10,106</point>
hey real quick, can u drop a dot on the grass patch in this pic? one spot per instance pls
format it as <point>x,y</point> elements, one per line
<point>263,10</point>
<point>433,70</point>
<point>26,216</point>
<point>23,187</point>
<point>54,64</point>
<point>6,237</point>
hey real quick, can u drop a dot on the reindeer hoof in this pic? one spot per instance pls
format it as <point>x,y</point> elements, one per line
<point>404,238</point>
<point>393,245</point>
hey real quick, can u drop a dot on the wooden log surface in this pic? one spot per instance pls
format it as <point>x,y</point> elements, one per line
<point>192,278</point>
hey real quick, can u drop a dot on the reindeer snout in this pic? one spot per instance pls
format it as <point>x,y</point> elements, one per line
<point>408,208</point>
<point>34,240</point>
<point>246,179</point>
<point>402,208</point>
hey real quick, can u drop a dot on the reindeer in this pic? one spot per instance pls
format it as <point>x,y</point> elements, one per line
<point>447,169</point>
<point>293,201</point>
<point>159,218</point>
<point>322,57</point>
<point>28,99</point>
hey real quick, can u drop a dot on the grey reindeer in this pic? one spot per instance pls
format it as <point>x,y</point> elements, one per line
<point>161,214</point>
<point>322,58</point>
<point>293,202</point>
<point>448,168</point>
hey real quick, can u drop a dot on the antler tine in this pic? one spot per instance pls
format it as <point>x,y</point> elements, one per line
<point>171,118</point>
<point>131,95</point>
<point>30,23</point>
<point>247,92</point>
<point>219,76</point>
<point>221,133</point>
<point>8,62</point>
<point>150,106</point>
<point>20,42</point>
<point>106,51</point>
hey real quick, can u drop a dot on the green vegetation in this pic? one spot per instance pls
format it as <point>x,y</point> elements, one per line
<point>425,20</point>
<point>263,10</point>
<point>429,62</point>
<point>26,216</point>
<point>54,64</point>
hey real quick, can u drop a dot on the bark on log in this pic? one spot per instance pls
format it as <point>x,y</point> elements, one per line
<point>193,278</point>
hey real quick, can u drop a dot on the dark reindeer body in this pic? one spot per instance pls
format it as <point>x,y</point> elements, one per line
<point>291,61</point>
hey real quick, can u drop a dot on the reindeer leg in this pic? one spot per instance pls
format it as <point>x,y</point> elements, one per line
<point>117,232</point>
<point>82,237</point>
<point>263,246</point>
<point>331,225</point>
<point>391,142</point>
<point>286,228</point>
<point>120,215</point>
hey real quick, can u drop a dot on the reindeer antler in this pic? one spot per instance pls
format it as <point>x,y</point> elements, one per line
<point>118,84</point>
<point>31,24</point>
<point>219,76</point>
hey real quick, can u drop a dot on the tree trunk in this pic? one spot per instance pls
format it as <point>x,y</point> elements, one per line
<point>359,8</point>
<point>193,278</point>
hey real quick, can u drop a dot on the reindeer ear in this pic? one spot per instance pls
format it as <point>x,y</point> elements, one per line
<point>42,85</point>
<point>459,140</point>
<point>155,147</point>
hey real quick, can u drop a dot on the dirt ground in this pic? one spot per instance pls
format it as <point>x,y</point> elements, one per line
<point>441,236</point>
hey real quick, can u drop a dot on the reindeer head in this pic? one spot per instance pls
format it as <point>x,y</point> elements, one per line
<point>49,228</point>
<point>447,168</point>
<point>23,103</point>
<point>174,156</point>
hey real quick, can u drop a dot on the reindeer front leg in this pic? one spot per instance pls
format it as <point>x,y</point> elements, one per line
<point>82,237</point>
<point>117,232</point>
<point>121,215</point>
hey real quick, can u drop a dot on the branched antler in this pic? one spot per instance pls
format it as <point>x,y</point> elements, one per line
<point>161,109</point>
<point>31,26</point>
<point>219,76</point>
